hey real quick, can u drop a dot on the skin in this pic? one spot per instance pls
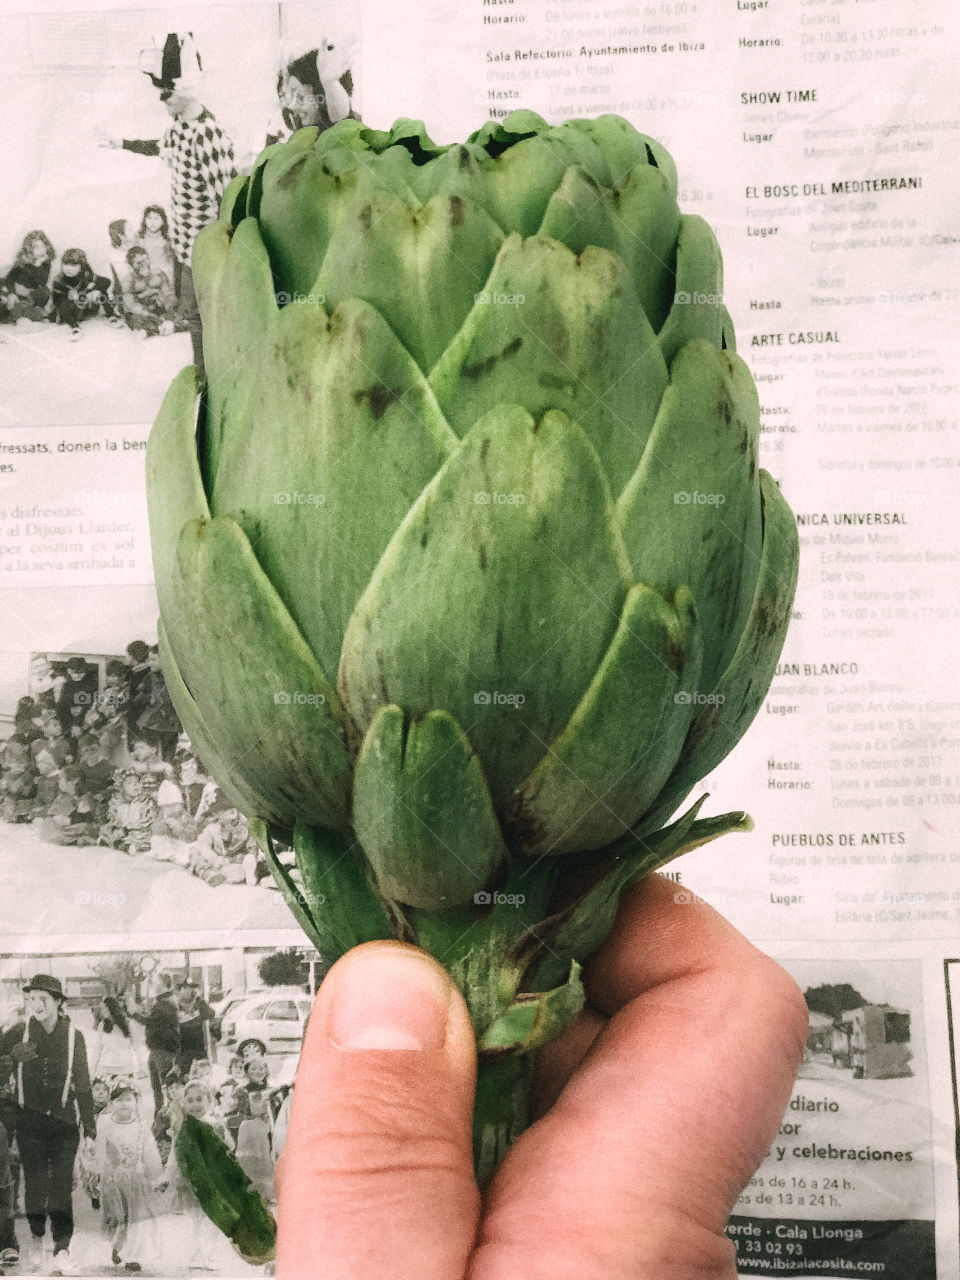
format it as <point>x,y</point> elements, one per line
<point>654,1111</point>
<point>42,1006</point>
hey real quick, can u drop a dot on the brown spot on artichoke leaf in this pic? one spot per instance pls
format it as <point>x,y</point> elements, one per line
<point>293,174</point>
<point>456,211</point>
<point>525,828</point>
<point>366,217</point>
<point>482,557</point>
<point>480,368</point>
<point>463,158</point>
<point>498,643</point>
<point>725,409</point>
<point>512,347</point>
<point>379,397</point>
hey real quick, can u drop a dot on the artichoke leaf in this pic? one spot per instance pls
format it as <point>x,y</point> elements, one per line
<point>307,195</point>
<point>393,256</point>
<point>238,307</point>
<point>691,512</point>
<point>626,150</point>
<point>422,811</point>
<point>549,331</point>
<point>291,892</point>
<point>720,722</point>
<point>344,907</point>
<point>229,776</point>
<point>581,927</point>
<point>517,589</point>
<point>534,1019</point>
<point>233,202</point>
<point>697,310</point>
<point>637,220</point>
<point>606,768</point>
<point>255,682</point>
<point>175,492</point>
<point>342,413</point>
<point>223,1189</point>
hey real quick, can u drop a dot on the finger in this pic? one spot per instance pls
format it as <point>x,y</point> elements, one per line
<point>634,1170</point>
<point>376,1177</point>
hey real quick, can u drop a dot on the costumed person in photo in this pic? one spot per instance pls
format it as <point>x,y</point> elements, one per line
<point>113,1056</point>
<point>130,1172</point>
<point>25,289</point>
<point>121,239</point>
<point>79,293</point>
<point>131,813</point>
<point>200,158</point>
<point>194,1016</point>
<point>161,1028</point>
<point>254,1145</point>
<point>154,236</point>
<point>54,1102</point>
<point>203,1238</point>
<point>157,723</point>
<point>152,302</point>
<point>87,1159</point>
<point>78,693</point>
<point>313,90</point>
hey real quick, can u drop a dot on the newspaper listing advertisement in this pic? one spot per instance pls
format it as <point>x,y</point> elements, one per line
<point>817,139</point>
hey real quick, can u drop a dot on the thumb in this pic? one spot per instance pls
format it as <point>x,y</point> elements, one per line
<point>376,1177</point>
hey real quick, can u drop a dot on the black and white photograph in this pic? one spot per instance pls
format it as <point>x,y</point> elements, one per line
<point>131,124</point>
<point>865,1024</point>
<point>96,1051</point>
<point>109,822</point>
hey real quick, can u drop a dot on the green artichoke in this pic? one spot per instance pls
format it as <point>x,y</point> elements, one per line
<point>466,568</point>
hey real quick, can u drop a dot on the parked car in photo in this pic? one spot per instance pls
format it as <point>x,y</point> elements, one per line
<point>273,1020</point>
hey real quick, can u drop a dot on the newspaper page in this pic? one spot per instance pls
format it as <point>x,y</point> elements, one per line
<point>817,137</point>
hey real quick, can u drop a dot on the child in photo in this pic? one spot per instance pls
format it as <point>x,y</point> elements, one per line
<point>25,289</point>
<point>130,1172</point>
<point>87,1164</point>
<point>121,239</point>
<point>130,815</point>
<point>203,1238</point>
<point>254,1145</point>
<point>162,1125</point>
<point>151,293</point>
<point>78,292</point>
<point>154,236</point>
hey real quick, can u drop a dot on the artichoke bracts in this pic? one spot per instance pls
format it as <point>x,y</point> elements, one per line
<point>467,571</point>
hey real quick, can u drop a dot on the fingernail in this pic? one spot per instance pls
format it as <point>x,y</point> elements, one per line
<point>389,998</point>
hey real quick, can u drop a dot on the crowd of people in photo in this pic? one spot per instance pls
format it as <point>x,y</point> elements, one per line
<point>141,278</point>
<point>96,761</point>
<point>64,288</point>
<point>95,1119</point>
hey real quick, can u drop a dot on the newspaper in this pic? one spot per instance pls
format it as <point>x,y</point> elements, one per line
<point>818,138</point>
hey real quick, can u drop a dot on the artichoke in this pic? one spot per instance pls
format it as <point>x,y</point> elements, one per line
<point>466,569</point>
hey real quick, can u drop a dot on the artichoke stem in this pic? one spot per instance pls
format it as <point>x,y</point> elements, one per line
<point>501,1110</point>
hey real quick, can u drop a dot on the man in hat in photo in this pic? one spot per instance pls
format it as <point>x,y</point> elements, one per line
<point>200,157</point>
<point>54,1102</point>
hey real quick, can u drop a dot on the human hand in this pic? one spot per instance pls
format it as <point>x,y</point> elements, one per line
<point>654,1111</point>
